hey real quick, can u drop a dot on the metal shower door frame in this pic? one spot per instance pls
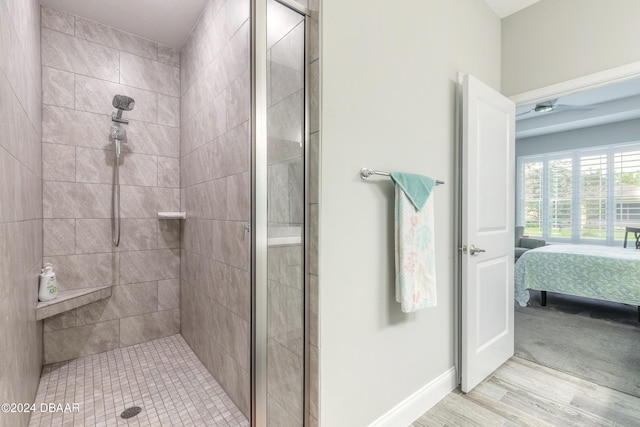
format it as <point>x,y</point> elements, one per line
<point>259,218</point>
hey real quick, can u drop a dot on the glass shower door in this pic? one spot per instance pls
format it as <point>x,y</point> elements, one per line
<point>285,215</point>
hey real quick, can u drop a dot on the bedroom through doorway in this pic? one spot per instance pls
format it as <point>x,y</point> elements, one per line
<point>577,194</point>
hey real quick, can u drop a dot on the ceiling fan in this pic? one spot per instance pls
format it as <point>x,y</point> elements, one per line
<point>552,105</point>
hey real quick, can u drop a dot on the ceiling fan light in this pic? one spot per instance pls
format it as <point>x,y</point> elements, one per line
<point>543,108</point>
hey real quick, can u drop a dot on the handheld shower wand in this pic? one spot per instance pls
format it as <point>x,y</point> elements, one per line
<point>118,134</point>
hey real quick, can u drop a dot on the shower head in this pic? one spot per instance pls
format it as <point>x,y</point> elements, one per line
<point>124,103</point>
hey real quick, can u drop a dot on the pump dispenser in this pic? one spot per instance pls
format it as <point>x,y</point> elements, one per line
<point>48,287</point>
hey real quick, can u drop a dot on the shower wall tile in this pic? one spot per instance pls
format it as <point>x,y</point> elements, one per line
<point>169,234</point>
<point>85,65</point>
<point>239,101</point>
<point>57,87</point>
<point>137,329</point>
<point>205,43</point>
<point>95,96</point>
<point>20,138</point>
<point>58,20</point>
<point>126,300</point>
<point>17,63</point>
<point>59,236</point>
<point>210,83</point>
<point>313,206</point>
<point>284,20</point>
<point>116,39</point>
<point>168,294</point>
<point>237,292</point>
<point>168,172</point>
<point>197,236</point>
<point>313,308</point>
<point>313,237</point>
<point>58,162</point>
<point>207,200</point>
<point>214,178</point>
<point>142,266</point>
<point>169,55</point>
<point>314,90</point>
<point>81,341</point>
<point>197,166</point>
<point>60,321</point>
<point>229,246</point>
<point>150,75</point>
<point>207,125</point>
<point>314,372</point>
<point>70,127</point>
<point>154,139</point>
<point>97,166</point>
<point>285,378</point>
<point>94,235</point>
<point>237,14</point>
<point>146,202</point>
<point>296,191</point>
<point>238,197</point>
<point>232,153</point>
<point>314,37</point>
<point>68,53</point>
<point>278,416</point>
<point>76,200</point>
<point>285,119</point>
<point>287,65</point>
<point>236,54</point>
<point>235,336</point>
<point>85,271</point>
<point>279,197</point>
<point>314,174</point>
<point>168,110</point>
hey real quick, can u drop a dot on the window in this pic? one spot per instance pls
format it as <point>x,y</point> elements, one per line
<point>593,197</point>
<point>581,196</point>
<point>533,198</point>
<point>559,200</point>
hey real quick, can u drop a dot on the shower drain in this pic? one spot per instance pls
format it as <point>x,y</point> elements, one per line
<point>131,412</point>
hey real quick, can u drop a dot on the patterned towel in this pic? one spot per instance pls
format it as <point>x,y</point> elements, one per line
<point>415,248</point>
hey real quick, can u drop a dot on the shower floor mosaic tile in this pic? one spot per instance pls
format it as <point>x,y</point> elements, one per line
<point>163,377</point>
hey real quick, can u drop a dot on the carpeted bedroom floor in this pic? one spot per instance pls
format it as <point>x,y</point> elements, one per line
<point>594,340</point>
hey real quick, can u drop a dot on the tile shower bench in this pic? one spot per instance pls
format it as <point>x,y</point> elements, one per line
<point>68,300</point>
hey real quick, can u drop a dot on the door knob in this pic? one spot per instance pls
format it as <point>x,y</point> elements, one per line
<point>473,250</point>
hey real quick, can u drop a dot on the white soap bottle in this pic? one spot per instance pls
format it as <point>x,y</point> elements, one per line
<point>48,287</point>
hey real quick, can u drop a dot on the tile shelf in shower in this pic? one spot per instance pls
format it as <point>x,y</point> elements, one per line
<point>172,215</point>
<point>68,300</point>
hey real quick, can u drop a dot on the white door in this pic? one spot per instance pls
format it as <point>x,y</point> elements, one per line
<point>487,230</point>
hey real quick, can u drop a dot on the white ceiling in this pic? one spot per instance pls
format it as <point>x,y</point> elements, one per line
<point>611,103</point>
<point>504,8</point>
<point>167,22</point>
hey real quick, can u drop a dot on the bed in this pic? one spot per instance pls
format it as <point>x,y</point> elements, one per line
<point>600,272</point>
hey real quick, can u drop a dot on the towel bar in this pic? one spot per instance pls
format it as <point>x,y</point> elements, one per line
<point>365,173</point>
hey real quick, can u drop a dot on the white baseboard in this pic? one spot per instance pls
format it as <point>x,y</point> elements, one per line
<point>419,402</point>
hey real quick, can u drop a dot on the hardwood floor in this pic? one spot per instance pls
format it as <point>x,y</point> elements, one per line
<point>522,393</point>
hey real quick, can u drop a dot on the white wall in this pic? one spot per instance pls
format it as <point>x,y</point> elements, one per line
<point>553,41</point>
<point>613,133</point>
<point>387,102</point>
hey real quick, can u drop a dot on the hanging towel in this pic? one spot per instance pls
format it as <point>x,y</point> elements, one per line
<point>414,236</point>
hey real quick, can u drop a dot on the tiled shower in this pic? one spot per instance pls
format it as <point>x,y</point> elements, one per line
<point>83,65</point>
<point>188,149</point>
